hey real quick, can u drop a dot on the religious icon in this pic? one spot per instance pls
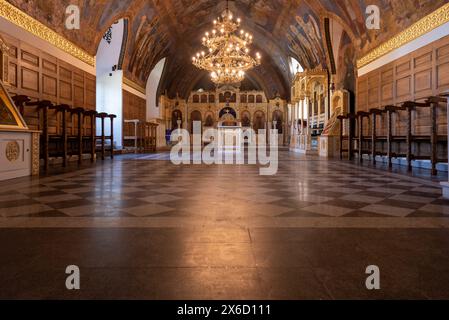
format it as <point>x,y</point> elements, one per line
<point>9,115</point>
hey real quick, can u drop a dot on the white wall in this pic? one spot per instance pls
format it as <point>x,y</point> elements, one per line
<point>153,111</point>
<point>295,66</point>
<point>110,100</point>
<point>110,83</point>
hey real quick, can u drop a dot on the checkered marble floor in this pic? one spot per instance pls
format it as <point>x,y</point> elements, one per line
<point>151,186</point>
<point>140,227</point>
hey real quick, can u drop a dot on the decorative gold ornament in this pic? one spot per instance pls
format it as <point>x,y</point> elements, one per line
<point>418,29</point>
<point>21,19</point>
<point>35,153</point>
<point>12,151</point>
<point>228,57</point>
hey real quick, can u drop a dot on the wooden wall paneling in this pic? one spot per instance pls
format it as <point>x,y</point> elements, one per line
<point>374,90</point>
<point>403,80</point>
<point>134,107</point>
<point>65,84</point>
<point>387,85</point>
<point>423,73</point>
<point>442,67</point>
<point>49,78</point>
<point>41,76</point>
<point>78,88</point>
<point>89,91</point>
<point>13,74</point>
<point>30,68</point>
<point>363,95</point>
<point>416,76</point>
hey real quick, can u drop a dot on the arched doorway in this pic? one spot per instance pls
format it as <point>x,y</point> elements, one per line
<point>259,121</point>
<point>195,116</point>
<point>228,117</point>
<point>227,110</point>
<point>175,117</point>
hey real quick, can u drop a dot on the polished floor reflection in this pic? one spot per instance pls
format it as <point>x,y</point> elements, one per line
<point>141,227</point>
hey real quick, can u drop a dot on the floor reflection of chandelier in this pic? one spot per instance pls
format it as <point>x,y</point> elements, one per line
<point>228,57</point>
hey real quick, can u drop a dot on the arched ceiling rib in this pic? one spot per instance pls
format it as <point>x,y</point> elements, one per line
<point>173,28</point>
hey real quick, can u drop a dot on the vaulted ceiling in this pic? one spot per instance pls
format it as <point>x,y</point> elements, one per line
<point>173,29</point>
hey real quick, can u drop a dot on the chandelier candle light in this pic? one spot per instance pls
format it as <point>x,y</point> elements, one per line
<point>228,57</point>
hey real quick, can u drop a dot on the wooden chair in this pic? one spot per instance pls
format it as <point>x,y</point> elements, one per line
<point>75,135</point>
<point>103,137</point>
<point>20,101</point>
<point>363,141</point>
<point>89,133</point>
<point>377,139</point>
<point>348,138</point>
<point>394,140</point>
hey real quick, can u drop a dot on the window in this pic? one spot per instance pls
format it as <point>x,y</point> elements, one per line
<point>295,66</point>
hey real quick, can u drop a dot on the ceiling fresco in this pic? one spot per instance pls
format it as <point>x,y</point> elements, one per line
<point>281,28</point>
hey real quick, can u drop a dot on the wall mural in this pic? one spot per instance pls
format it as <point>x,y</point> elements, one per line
<point>173,28</point>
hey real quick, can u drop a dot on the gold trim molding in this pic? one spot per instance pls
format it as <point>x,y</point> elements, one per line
<point>21,19</point>
<point>418,29</point>
<point>134,85</point>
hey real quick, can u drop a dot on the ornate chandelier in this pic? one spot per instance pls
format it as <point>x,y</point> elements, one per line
<point>228,57</point>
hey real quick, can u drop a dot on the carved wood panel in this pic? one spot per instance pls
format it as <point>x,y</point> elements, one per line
<point>416,76</point>
<point>39,75</point>
<point>134,108</point>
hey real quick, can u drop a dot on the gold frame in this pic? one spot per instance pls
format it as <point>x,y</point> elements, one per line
<point>11,106</point>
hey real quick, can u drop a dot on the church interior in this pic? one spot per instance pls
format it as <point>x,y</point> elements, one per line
<point>349,98</point>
